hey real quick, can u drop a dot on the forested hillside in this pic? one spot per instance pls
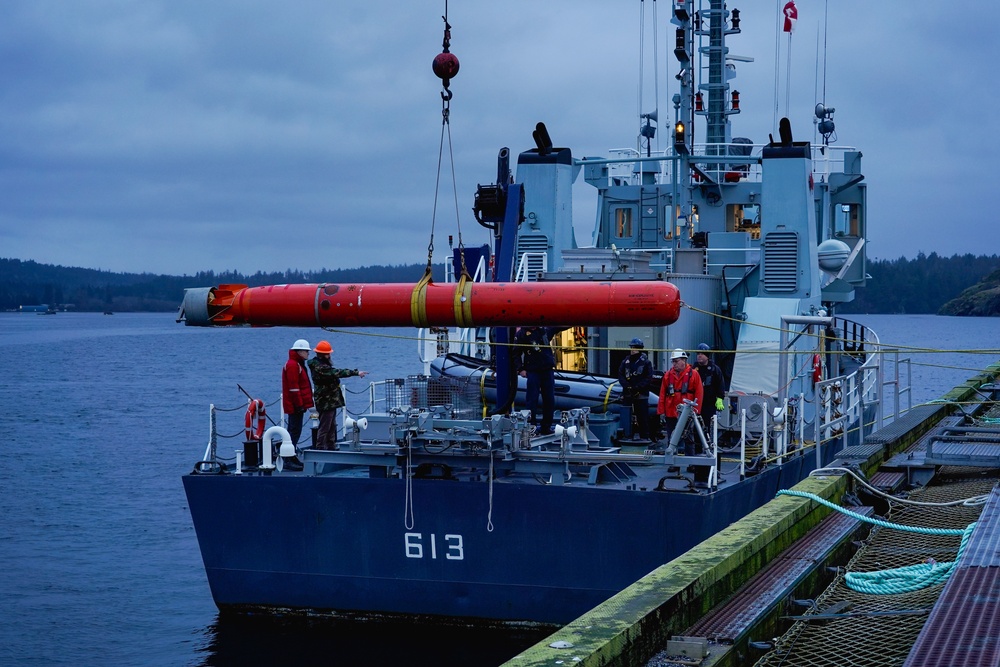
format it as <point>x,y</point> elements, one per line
<point>983,298</point>
<point>921,285</point>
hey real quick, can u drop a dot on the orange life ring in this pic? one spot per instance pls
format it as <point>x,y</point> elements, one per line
<point>255,411</point>
<point>817,368</point>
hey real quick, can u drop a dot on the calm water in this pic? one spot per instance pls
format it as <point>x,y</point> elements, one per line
<point>103,414</point>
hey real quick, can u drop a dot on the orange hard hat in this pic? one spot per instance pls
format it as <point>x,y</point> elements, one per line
<point>322,347</point>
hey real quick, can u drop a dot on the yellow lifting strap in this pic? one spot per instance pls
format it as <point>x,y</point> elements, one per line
<point>418,300</point>
<point>607,395</point>
<point>482,389</point>
<point>463,301</point>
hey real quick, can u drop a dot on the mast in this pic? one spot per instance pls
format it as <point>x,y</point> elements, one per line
<point>719,102</point>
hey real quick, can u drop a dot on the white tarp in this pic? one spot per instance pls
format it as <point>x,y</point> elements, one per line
<point>755,369</point>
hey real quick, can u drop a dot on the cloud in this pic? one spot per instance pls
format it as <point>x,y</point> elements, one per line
<point>175,136</point>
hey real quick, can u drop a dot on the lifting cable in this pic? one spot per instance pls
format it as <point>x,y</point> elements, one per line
<point>445,66</point>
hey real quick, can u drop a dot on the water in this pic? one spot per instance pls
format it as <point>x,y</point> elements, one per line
<point>956,348</point>
<point>103,414</point>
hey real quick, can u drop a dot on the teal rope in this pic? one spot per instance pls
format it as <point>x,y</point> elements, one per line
<point>877,522</point>
<point>901,579</point>
<point>909,578</point>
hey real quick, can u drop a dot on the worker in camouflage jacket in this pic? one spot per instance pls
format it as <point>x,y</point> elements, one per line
<point>327,393</point>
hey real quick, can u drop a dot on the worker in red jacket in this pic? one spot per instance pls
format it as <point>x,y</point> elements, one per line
<point>296,391</point>
<point>679,383</point>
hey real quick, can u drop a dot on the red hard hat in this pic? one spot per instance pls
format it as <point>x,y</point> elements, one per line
<point>323,347</point>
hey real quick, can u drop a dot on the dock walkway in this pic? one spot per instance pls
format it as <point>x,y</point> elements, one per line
<point>727,626</point>
<point>957,622</point>
<point>964,625</point>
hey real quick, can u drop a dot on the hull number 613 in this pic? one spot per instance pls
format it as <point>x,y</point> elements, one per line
<point>450,547</point>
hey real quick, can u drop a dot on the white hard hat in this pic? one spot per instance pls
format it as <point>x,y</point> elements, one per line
<point>301,344</point>
<point>678,354</point>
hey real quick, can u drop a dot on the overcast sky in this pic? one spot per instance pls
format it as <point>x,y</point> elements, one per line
<point>174,136</point>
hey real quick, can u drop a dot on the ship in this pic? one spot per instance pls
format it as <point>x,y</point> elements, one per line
<point>446,504</point>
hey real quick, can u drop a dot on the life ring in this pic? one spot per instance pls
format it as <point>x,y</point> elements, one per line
<point>817,368</point>
<point>255,411</point>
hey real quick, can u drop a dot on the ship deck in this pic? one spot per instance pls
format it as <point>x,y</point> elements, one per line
<point>548,461</point>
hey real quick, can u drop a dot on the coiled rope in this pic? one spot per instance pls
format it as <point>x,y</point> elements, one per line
<point>909,578</point>
<point>901,579</point>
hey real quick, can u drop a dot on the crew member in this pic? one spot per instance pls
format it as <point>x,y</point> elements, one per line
<point>296,392</point>
<point>538,365</point>
<point>713,382</point>
<point>634,375</point>
<point>328,394</point>
<point>680,383</point>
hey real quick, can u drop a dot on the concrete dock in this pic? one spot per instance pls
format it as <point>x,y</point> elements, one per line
<point>772,583</point>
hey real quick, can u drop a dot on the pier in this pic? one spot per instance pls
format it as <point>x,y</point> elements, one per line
<point>770,589</point>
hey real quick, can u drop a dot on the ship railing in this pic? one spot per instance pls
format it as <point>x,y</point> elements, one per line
<point>732,162</point>
<point>842,397</point>
<point>380,395</point>
<point>843,400</point>
<point>479,275</point>
<point>434,342</point>
<point>530,265</point>
<point>718,261</point>
<point>213,435</point>
<point>900,382</point>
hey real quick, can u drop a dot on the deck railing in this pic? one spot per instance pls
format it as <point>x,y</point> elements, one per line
<point>732,162</point>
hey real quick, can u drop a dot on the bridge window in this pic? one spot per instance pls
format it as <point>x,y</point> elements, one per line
<point>622,218</point>
<point>847,220</point>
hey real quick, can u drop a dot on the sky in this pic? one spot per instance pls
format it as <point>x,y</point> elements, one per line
<point>174,136</point>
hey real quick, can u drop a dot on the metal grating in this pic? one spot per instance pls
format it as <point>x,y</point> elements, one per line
<point>983,549</point>
<point>461,396</point>
<point>887,481</point>
<point>903,425</point>
<point>964,627</point>
<point>781,262</point>
<point>776,581</point>
<point>862,452</point>
<point>965,447</point>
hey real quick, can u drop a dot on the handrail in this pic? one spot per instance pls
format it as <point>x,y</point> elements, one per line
<point>522,275</point>
<point>714,159</point>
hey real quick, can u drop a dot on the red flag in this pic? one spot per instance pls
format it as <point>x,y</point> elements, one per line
<point>791,15</point>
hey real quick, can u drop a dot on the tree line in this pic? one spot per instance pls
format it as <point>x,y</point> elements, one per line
<point>26,283</point>
<point>927,284</point>
<point>924,285</point>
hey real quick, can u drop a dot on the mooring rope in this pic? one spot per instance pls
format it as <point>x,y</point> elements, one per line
<point>902,579</point>
<point>909,578</point>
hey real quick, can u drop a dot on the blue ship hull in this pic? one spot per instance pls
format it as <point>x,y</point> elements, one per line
<point>341,545</point>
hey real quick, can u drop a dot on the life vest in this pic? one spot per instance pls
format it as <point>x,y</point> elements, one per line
<point>684,385</point>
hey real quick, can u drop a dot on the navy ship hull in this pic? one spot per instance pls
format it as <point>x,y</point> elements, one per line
<point>342,545</point>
